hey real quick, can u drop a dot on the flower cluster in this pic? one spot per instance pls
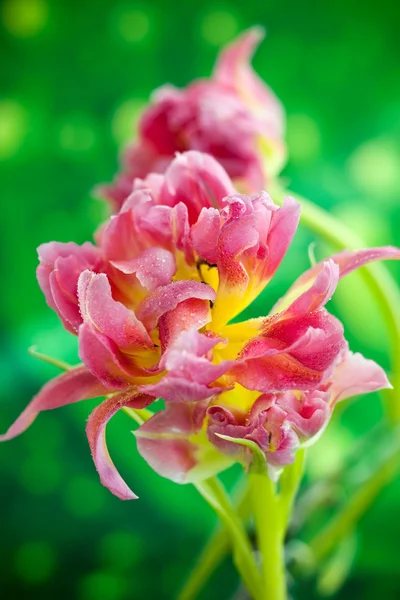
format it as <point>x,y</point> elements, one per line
<point>211,116</point>
<point>153,302</point>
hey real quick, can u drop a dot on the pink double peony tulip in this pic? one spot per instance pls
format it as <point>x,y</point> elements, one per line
<point>231,116</point>
<point>152,305</point>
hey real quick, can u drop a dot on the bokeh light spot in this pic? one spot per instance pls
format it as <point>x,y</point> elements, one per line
<point>125,120</point>
<point>219,27</point>
<point>77,135</point>
<point>374,167</point>
<point>25,18</point>
<point>35,562</point>
<point>133,25</point>
<point>103,586</point>
<point>13,127</point>
<point>304,138</point>
<point>85,497</point>
<point>121,549</point>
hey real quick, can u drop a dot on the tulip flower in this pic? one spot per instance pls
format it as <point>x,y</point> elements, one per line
<point>211,116</point>
<point>152,305</point>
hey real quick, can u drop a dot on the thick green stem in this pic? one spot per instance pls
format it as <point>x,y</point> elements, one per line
<point>380,282</point>
<point>289,485</point>
<point>215,494</point>
<point>216,548</point>
<point>270,530</point>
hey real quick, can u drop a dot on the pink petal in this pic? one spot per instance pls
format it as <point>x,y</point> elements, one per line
<point>72,386</point>
<point>104,359</point>
<point>190,375</point>
<point>176,389</point>
<point>109,317</point>
<point>58,273</point>
<point>284,224</point>
<point>164,440</point>
<point>191,313</point>
<point>197,180</point>
<point>205,234</point>
<point>348,261</point>
<point>167,298</point>
<point>356,375</point>
<point>96,433</point>
<point>233,70</point>
<point>295,353</point>
<point>309,413</point>
<point>319,293</point>
<point>153,267</point>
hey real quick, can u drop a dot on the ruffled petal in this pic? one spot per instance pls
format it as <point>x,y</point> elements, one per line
<point>254,237</point>
<point>233,70</point>
<point>297,353</point>
<point>58,273</point>
<point>191,376</point>
<point>318,294</point>
<point>153,267</point>
<point>284,224</point>
<point>347,261</point>
<point>197,180</point>
<point>356,375</point>
<point>167,298</point>
<point>191,313</point>
<point>173,444</point>
<point>109,317</point>
<point>72,386</point>
<point>96,434</point>
<point>104,359</point>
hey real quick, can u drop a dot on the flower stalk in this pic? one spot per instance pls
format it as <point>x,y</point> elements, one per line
<point>214,493</point>
<point>270,532</point>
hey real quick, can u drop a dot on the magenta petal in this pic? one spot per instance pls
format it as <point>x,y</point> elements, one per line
<point>72,386</point>
<point>319,293</point>
<point>164,440</point>
<point>58,272</point>
<point>191,313</point>
<point>189,372</point>
<point>96,433</point>
<point>174,389</point>
<point>233,70</point>
<point>166,298</point>
<point>67,310</point>
<point>103,358</point>
<point>197,180</point>
<point>283,226</point>
<point>109,317</point>
<point>356,375</point>
<point>296,353</point>
<point>153,267</point>
<point>205,233</point>
<point>348,261</point>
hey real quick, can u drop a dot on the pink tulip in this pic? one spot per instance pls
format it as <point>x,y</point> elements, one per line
<point>151,305</point>
<point>233,116</point>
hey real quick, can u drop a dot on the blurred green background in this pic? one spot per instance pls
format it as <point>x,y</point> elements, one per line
<point>74,76</point>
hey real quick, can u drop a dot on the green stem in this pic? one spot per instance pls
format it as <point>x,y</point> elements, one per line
<point>377,277</point>
<point>139,415</point>
<point>289,485</point>
<point>270,529</point>
<point>49,359</point>
<point>216,548</point>
<point>214,493</point>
